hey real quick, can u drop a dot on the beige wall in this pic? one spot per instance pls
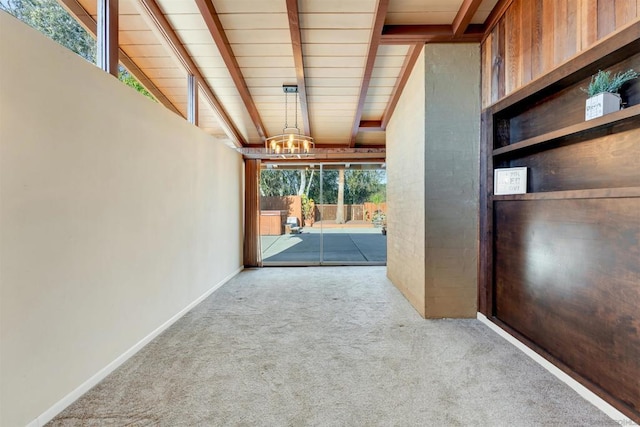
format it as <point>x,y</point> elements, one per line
<point>115,215</point>
<point>433,140</point>
<point>405,190</point>
<point>452,128</point>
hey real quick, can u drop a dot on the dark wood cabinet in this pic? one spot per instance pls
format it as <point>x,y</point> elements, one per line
<point>560,266</point>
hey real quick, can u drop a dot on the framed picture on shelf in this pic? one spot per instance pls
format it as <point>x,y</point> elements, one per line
<point>510,181</point>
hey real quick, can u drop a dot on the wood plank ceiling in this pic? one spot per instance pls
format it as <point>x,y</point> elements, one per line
<point>349,58</point>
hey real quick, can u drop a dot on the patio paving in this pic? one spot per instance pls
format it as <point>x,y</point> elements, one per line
<point>340,245</point>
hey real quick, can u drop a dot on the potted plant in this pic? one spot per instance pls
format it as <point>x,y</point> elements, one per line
<point>308,210</point>
<point>603,92</point>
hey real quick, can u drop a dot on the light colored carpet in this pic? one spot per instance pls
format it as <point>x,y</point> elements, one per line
<point>318,346</point>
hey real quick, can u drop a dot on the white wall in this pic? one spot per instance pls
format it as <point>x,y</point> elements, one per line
<point>406,190</point>
<point>115,215</point>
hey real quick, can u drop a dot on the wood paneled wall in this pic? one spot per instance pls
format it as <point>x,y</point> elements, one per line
<point>535,36</point>
<point>566,274</point>
<point>559,265</point>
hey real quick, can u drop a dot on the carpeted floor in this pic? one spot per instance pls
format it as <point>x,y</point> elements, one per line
<point>326,347</point>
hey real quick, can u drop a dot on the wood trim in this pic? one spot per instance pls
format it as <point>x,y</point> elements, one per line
<point>372,154</point>
<point>407,67</point>
<point>494,17</point>
<point>376,33</point>
<point>485,230</point>
<point>107,36</point>
<point>155,14</point>
<point>464,16</point>
<point>364,148</point>
<point>323,149</point>
<point>76,10</point>
<point>285,163</point>
<point>595,193</point>
<point>370,126</point>
<point>410,34</point>
<point>251,248</point>
<point>606,52</point>
<point>210,16</point>
<point>296,44</point>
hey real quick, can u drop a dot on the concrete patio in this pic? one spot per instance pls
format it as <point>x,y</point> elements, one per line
<point>339,245</point>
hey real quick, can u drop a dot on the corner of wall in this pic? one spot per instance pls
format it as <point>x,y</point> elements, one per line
<point>405,190</point>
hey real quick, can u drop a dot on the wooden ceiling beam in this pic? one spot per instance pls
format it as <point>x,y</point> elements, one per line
<point>208,12</point>
<point>370,126</point>
<point>376,33</point>
<point>464,16</point>
<point>410,34</point>
<point>407,66</point>
<point>371,154</point>
<point>154,12</point>
<point>76,10</point>
<point>296,44</point>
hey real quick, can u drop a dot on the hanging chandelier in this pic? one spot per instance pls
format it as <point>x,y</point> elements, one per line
<point>291,143</point>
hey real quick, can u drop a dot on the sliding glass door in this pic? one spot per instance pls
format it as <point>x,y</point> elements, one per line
<point>286,215</point>
<point>329,213</point>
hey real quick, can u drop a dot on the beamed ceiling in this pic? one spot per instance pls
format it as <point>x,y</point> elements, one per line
<point>349,58</point>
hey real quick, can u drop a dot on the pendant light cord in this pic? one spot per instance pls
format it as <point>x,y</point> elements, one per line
<point>286,111</point>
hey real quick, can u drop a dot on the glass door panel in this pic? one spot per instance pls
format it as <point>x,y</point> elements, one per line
<point>331,213</point>
<point>285,237</point>
<point>353,204</point>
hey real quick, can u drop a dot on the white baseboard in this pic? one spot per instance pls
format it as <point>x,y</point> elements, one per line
<point>62,404</point>
<point>587,394</point>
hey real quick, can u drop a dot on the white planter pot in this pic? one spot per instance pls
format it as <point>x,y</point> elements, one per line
<point>601,104</point>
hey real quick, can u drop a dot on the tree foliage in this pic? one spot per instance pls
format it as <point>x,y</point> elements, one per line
<point>359,185</point>
<point>362,185</point>
<point>132,82</point>
<point>279,182</point>
<point>52,20</point>
<point>340,209</point>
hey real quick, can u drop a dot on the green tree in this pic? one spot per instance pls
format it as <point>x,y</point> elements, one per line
<point>360,185</point>
<point>340,207</point>
<point>132,82</point>
<point>283,182</point>
<point>329,186</point>
<point>279,182</point>
<point>52,20</point>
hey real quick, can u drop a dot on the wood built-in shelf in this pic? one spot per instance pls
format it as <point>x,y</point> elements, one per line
<point>585,177</point>
<point>593,193</point>
<point>626,115</point>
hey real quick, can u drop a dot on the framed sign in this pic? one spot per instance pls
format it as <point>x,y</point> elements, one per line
<point>510,181</point>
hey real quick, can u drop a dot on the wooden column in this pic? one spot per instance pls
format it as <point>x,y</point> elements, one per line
<point>252,255</point>
<point>107,55</point>
<point>192,99</point>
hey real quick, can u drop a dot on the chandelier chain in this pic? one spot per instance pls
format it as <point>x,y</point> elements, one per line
<point>286,110</point>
